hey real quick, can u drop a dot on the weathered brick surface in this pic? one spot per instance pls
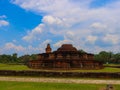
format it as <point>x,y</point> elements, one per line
<point>60,74</point>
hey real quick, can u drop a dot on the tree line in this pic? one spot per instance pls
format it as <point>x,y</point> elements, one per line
<point>103,56</point>
<point>108,57</point>
<point>14,59</point>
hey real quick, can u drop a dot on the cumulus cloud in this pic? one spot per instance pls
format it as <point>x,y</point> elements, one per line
<point>59,43</point>
<point>43,45</point>
<point>98,25</point>
<point>3,23</point>
<point>10,48</point>
<point>91,39</point>
<point>34,34</point>
<point>76,21</point>
<point>51,20</point>
<point>111,38</point>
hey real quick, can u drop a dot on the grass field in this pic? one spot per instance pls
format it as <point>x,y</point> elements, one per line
<point>50,86</point>
<point>23,67</point>
<point>7,85</point>
<point>106,69</point>
<point>111,64</point>
<point>13,67</point>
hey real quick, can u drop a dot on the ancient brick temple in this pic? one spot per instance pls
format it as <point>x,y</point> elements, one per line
<point>66,57</point>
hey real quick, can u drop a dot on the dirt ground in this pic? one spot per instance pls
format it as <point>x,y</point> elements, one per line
<point>58,80</point>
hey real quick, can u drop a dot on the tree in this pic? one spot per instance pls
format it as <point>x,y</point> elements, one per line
<point>5,58</point>
<point>14,57</point>
<point>81,51</point>
<point>24,59</point>
<point>116,58</point>
<point>33,57</point>
<point>104,56</point>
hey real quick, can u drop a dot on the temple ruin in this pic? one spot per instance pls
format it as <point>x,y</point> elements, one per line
<point>65,57</point>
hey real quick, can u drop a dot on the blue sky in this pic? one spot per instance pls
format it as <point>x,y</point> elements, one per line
<point>26,26</point>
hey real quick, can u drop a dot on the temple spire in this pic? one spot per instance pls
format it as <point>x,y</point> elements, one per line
<point>48,49</point>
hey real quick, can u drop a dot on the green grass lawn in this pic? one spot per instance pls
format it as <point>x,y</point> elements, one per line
<point>50,86</point>
<point>111,64</point>
<point>13,67</point>
<point>106,69</point>
<point>23,67</point>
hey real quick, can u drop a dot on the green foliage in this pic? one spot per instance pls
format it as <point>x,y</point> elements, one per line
<point>5,58</point>
<point>116,58</point>
<point>108,57</point>
<point>50,86</point>
<point>24,59</point>
<point>104,56</point>
<point>14,59</point>
<point>81,51</point>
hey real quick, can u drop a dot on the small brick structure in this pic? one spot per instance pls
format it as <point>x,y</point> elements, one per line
<point>66,57</point>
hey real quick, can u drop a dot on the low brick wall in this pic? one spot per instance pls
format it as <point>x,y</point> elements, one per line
<point>60,74</point>
<point>113,66</point>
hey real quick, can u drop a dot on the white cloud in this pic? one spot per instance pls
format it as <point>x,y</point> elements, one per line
<point>98,25</point>
<point>111,38</point>
<point>3,23</point>
<point>75,21</point>
<point>59,43</point>
<point>69,35</point>
<point>43,45</point>
<point>34,34</point>
<point>10,46</point>
<point>91,39</point>
<point>49,23</point>
<point>51,20</point>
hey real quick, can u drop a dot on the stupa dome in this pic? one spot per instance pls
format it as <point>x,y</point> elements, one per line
<point>67,48</point>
